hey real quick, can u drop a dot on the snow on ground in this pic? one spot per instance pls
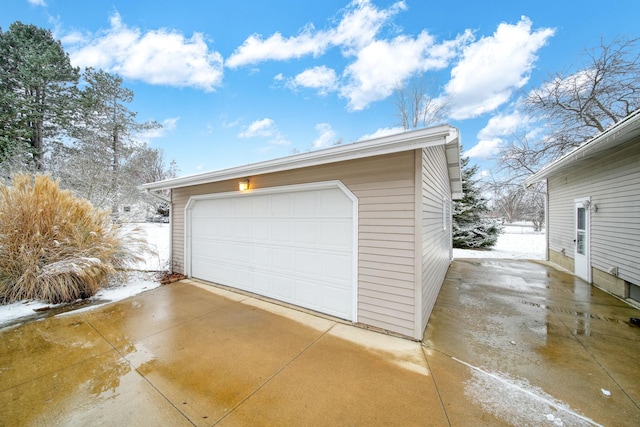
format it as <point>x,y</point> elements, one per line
<point>518,241</point>
<point>157,236</point>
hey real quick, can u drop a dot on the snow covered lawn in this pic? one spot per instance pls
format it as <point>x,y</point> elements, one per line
<point>518,241</point>
<point>158,239</point>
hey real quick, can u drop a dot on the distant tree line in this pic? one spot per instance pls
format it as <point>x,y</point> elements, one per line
<point>74,125</point>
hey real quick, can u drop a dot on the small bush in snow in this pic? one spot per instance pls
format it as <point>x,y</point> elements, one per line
<point>55,247</point>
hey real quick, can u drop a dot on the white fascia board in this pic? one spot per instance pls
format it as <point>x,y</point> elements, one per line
<point>618,134</point>
<point>405,141</point>
<point>452,151</point>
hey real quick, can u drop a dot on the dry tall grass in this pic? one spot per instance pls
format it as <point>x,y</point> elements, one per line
<point>55,247</point>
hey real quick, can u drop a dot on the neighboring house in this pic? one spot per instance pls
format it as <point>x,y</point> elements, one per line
<point>593,209</point>
<point>359,231</point>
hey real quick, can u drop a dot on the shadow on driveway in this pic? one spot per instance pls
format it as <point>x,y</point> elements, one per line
<point>508,343</point>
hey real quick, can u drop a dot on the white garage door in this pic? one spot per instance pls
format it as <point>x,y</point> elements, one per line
<point>295,244</point>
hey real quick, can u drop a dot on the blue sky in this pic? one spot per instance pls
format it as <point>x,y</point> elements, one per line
<point>244,81</point>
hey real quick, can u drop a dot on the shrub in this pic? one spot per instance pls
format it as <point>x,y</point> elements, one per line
<point>55,247</point>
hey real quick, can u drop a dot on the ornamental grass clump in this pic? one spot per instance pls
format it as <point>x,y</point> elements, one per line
<point>55,247</point>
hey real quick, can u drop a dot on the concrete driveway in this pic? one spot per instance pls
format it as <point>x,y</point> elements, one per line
<point>508,343</point>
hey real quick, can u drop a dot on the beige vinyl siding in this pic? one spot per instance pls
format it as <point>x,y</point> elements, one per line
<point>436,238</point>
<point>384,186</point>
<point>613,183</point>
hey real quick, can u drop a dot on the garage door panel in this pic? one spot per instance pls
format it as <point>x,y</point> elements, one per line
<point>283,260</point>
<point>239,252</point>
<point>335,300</point>
<point>283,288</point>
<point>305,204</point>
<point>281,231</point>
<point>338,267</point>
<point>281,205</point>
<point>242,229</point>
<point>307,263</point>
<point>220,251</point>
<point>260,206</point>
<point>205,226</point>
<point>200,246</point>
<point>261,256</point>
<point>337,234</point>
<point>334,205</point>
<point>243,279</point>
<point>242,208</point>
<point>222,207</point>
<point>262,283</point>
<point>260,230</point>
<point>308,293</point>
<point>306,232</point>
<point>297,246</point>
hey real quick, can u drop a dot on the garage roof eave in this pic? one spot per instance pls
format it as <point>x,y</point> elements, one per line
<point>452,152</point>
<point>409,140</point>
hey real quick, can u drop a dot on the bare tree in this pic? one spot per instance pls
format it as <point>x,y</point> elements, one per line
<point>513,203</point>
<point>507,201</point>
<point>533,208</point>
<point>576,106</point>
<point>415,107</point>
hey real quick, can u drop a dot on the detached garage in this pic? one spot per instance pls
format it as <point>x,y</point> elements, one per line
<point>360,231</point>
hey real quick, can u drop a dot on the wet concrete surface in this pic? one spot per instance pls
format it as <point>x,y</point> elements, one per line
<point>508,343</point>
<point>533,345</point>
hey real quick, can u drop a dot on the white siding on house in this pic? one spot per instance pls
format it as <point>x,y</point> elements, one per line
<point>436,236</point>
<point>613,183</point>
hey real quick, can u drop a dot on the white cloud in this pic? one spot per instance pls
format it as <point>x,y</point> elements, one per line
<point>491,137</point>
<point>37,2</point>
<point>382,132</point>
<point>327,136</point>
<point>383,64</point>
<point>503,124</point>
<point>255,49</point>
<point>167,126</point>
<point>264,127</point>
<point>321,78</point>
<point>484,148</point>
<point>162,57</point>
<point>360,23</point>
<point>230,124</point>
<point>379,64</point>
<point>492,68</point>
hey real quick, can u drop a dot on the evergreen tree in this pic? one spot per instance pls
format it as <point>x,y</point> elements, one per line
<point>471,227</point>
<point>37,90</point>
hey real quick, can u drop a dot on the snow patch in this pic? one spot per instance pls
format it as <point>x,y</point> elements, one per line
<point>518,241</point>
<point>517,402</point>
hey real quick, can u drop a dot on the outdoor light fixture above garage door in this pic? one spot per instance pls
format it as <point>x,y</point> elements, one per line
<point>244,185</point>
